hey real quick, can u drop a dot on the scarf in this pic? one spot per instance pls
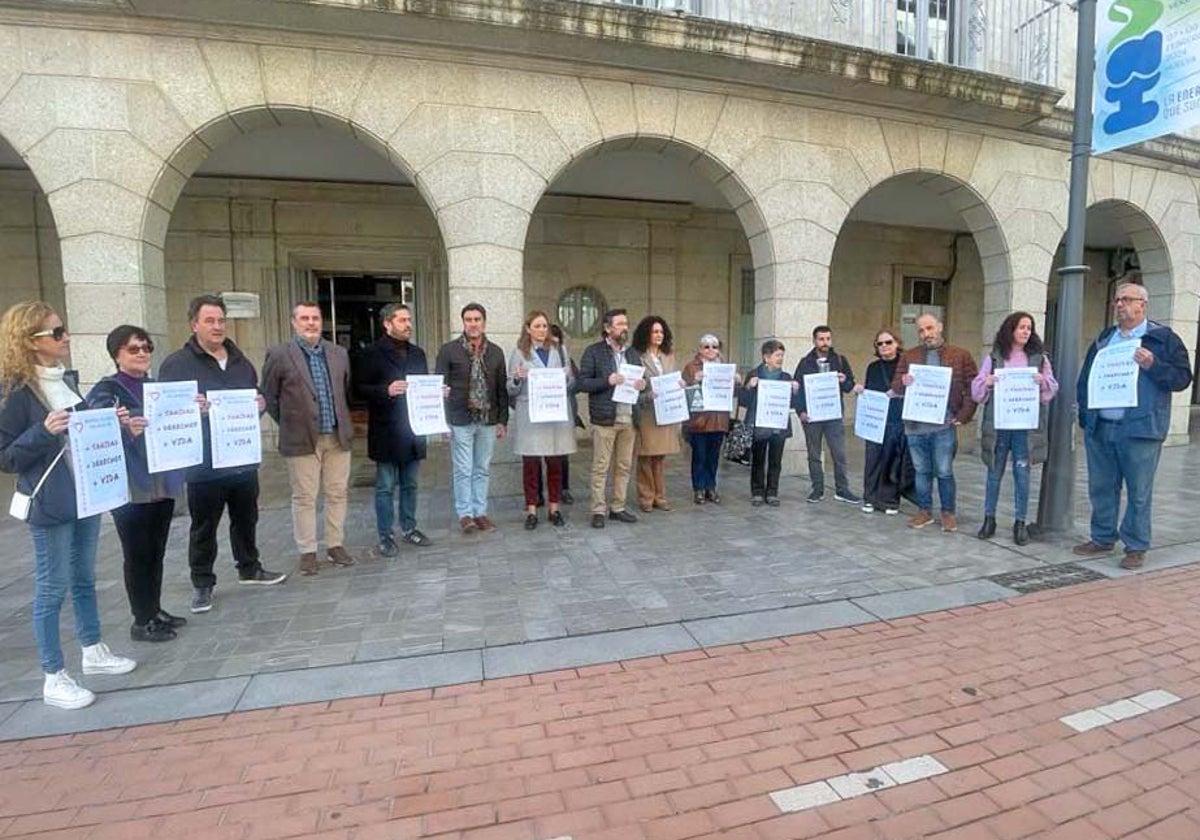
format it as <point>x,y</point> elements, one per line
<point>478,401</point>
<point>55,389</point>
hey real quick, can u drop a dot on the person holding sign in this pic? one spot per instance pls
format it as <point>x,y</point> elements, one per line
<point>1123,444</point>
<point>477,410</point>
<point>883,471</point>
<point>215,363</point>
<point>613,431</point>
<point>934,444</point>
<point>543,429</point>
<point>766,454</point>
<point>706,429</point>
<point>1017,347</point>
<point>144,524</point>
<point>654,344</point>
<point>37,396</point>
<point>820,413</point>
<point>397,452</point>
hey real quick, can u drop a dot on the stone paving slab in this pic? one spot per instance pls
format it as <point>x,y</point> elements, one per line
<point>710,632</point>
<point>933,598</point>
<point>552,655</point>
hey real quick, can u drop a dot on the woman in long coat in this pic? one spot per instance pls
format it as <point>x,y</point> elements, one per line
<point>536,442</point>
<point>653,341</point>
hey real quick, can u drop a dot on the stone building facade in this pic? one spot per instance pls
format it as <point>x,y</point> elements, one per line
<point>516,148</point>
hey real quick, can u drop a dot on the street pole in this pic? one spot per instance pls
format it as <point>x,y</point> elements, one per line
<point>1056,503</point>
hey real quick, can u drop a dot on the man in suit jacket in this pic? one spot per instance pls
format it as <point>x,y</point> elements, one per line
<point>306,383</point>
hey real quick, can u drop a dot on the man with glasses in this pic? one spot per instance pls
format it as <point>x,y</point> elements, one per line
<point>217,364</point>
<point>306,383</point>
<point>1123,444</point>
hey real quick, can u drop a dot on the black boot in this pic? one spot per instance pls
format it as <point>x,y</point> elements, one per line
<point>1020,532</point>
<point>988,528</point>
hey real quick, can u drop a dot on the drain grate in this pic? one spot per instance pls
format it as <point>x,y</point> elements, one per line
<point>1047,577</point>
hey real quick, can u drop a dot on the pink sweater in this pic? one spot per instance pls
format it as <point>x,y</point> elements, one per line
<point>980,391</point>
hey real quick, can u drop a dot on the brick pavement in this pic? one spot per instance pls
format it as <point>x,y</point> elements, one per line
<point>690,745</point>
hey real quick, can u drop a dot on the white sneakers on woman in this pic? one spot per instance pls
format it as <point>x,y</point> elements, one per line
<point>63,692</point>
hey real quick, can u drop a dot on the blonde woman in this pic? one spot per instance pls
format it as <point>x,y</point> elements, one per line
<point>37,396</point>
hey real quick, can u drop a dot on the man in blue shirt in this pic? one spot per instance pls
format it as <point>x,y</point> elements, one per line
<point>1123,444</point>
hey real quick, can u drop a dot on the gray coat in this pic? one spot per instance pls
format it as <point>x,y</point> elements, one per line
<point>537,439</point>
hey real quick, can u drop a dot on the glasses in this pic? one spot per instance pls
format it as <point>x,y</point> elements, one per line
<point>139,349</point>
<point>1129,300</point>
<point>710,346</point>
<point>885,342</point>
<point>57,333</point>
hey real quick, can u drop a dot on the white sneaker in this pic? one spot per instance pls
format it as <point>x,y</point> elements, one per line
<point>62,691</point>
<point>98,659</point>
<point>868,507</point>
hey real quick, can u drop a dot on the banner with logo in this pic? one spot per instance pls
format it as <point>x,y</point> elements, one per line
<point>1147,58</point>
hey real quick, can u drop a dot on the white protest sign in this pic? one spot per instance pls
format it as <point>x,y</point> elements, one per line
<point>547,395</point>
<point>1112,382</point>
<point>717,386</point>
<point>822,397</point>
<point>625,392</point>
<point>98,461</point>
<point>426,405</point>
<point>925,400</point>
<point>774,404</point>
<point>870,415</point>
<point>174,437</point>
<point>1016,398</point>
<point>670,400</point>
<point>234,424</point>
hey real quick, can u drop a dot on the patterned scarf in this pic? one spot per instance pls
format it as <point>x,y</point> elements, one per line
<point>478,401</point>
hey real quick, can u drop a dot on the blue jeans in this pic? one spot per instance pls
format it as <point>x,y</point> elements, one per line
<point>706,457</point>
<point>1113,459</point>
<point>933,454</point>
<point>400,481</point>
<point>470,456</point>
<point>65,555</point>
<point>1016,442</point>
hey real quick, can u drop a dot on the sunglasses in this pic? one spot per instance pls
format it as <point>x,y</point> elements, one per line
<point>710,346</point>
<point>139,349</point>
<point>57,333</point>
<point>885,342</point>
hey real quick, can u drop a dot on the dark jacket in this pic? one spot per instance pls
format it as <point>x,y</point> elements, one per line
<point>960,405</point>
<point>1171,371</point>
<point>390,438</point>
<point>144,486</point>
<point>749,400</point>
<point>595,367</point>
<point>879,378</point>
<point>454,363</point>
<point>704,421</point>
<point>27,449</point>
<point>837,364</point>
<point>291,396</point>
<point>191,362</point>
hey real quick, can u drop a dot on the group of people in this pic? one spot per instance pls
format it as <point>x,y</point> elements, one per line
<point>307,386</point>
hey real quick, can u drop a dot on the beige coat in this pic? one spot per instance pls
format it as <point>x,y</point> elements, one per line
<point>654,439</point>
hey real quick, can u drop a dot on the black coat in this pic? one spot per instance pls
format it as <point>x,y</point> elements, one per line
<point>27,449</point>
<point>749,401</point>
<point>454,364</point>
<point>390,438</point>
<point>595,367</point>
<point>192,362</point>
<point>837,364</point>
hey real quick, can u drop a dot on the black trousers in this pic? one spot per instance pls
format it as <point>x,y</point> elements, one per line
<point>143,530</point>
<point>206,503</point>
<point>766,455</point>
<point>883,469</point>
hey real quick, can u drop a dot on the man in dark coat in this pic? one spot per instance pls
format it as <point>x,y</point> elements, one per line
<point>391,444</point>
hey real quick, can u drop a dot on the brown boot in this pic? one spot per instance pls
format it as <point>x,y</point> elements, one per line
<point>338,556</point>
<point>484,524</point>
<point>309,564</point>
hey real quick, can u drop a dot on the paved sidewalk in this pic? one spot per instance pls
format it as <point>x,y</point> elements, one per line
<point>692,745</point>
<point>516,602</point>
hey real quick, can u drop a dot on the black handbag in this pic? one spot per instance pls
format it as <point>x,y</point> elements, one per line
<point>738,442</point>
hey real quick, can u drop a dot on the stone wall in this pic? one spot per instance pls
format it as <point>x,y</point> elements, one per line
<point>30,266</point>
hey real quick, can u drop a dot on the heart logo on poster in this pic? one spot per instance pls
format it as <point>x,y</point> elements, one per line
<point>77,427</point>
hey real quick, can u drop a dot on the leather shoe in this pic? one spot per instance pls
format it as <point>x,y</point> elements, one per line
<point>309,564</point>
<point>1020,532</point>
<point>152,631</point>
<point>622,516</point>
<point>988,529</point>
<point>663,504</point>
<point>713,496</point>
<point>556,519</point>
<point>567,498</point>
<point>1091,549</point>
<point>597,520</point>
<point>338,556</point>
<point>171,621</point>
<point>1134,560</point>
<point>530,521</point>
<point>698,497</point>
<point>485,524</point>
<point>467,524</point>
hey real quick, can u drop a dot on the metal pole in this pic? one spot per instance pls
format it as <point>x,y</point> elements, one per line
<point>1056,504</point>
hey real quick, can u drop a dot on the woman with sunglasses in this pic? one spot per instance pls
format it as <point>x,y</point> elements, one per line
<point>1016,345</point>
<point>144,524</point>
<point>706,429</point>
<point>37,395</point>
<point>882,474</point>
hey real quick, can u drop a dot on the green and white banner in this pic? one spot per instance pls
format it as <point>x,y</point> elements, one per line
<point>1147,70</point>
